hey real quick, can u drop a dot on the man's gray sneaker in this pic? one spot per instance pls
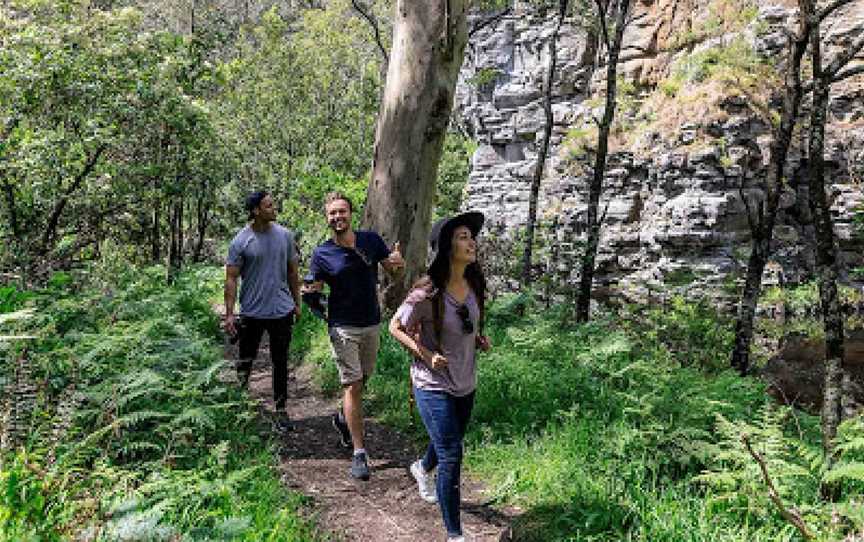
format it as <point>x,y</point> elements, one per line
<point>425,482</point>
<point>282,423</point>
<point>360,467</point>
<point>341,427</point>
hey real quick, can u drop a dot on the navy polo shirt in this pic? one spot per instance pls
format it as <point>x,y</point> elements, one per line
<point>352,278</point>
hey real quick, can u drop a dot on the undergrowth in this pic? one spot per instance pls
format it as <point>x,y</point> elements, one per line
<point>119,426</point>
<point>628,428</point>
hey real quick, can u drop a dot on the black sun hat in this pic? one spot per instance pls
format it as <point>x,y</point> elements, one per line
<point>442,232</point>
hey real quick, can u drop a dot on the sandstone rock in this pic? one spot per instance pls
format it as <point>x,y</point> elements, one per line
<point>674,198</point>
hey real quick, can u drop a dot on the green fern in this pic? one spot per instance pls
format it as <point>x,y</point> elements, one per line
<point>846,472</point>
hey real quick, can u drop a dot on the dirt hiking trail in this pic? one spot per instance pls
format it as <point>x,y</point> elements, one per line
<point>386,508</point>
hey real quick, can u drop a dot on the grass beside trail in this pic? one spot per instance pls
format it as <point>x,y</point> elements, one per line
<point>627,428</point>
<point>124,429</point>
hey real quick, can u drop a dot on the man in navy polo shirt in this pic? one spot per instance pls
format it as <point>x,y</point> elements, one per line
<point>348,263</point>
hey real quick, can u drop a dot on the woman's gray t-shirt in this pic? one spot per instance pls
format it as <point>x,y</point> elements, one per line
<point>459,378</point>
<point>263,261</point>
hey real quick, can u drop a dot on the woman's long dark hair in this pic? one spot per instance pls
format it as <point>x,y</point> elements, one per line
<point>435,284</point>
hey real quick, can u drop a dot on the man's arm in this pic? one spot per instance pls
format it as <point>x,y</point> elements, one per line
<point>316,272</point>
<point>294,285</point>
<point>232,272</point>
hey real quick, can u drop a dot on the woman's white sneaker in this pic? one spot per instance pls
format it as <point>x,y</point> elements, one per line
<point>425,482</point>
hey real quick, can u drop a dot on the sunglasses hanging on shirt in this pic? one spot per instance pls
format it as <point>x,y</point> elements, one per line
<point>465,316</point>
<point>362,255</point>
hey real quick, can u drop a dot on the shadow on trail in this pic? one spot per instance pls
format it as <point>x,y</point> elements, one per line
<point>387,507</point>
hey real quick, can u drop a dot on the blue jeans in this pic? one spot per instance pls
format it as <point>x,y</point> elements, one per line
<point>446,419</point>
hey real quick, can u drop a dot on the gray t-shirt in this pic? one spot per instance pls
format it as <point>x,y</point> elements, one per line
<point>263,261</point>
<point>459,378</point>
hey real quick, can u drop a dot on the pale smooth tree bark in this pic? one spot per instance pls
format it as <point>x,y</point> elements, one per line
<point>429,39</point>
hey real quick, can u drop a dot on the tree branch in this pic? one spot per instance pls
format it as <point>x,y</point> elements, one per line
<point>603,215</point>
<point>790,514</point>
<point>847,73</point>
<point>634,19</point>
<point>830,8</point>
<point>366,13</point>
<point>844,57</point>
<point>492,19</point>
<point>54,218</point>
<point>601,13</point>
<point>749,210</point>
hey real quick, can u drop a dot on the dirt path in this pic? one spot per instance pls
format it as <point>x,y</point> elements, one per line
<point>384,509</point>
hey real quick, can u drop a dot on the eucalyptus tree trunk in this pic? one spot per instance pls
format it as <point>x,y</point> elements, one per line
<point>543,152</point>
<point>429,38</point>
<point>762,224</point>
<point>595,189</point>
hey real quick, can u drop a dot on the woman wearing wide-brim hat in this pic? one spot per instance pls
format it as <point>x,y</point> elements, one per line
<point>440,323</point>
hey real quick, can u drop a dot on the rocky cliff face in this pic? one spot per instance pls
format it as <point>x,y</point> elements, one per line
<point>690,148</point>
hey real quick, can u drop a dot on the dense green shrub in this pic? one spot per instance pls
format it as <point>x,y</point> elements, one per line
<point>132,430</point>
<point>627,428</point>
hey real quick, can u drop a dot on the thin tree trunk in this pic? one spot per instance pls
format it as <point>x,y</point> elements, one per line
<point>172,233</point>
<point>192,19</point>
<point>826,255</point>
<point>202,219</point>
<point>527,255</point>
<point>367,14</point>
<point>586,278</point>
<point>9,194</point>
<point>762,226</point>
<point>838,401</point>
<point>8,188</point>
<point>155,241</point>
<point>429,39</point>
<point>181,203</point>
<point>54,218</point>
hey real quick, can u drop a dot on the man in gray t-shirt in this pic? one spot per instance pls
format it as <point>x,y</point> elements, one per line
<point>263,255</point>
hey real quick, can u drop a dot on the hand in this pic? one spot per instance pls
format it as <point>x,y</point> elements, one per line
<point>230,324</point>
<point>438,361</point>
<point>483,343</point>
<point>395,260</point>
<point>312,287</point>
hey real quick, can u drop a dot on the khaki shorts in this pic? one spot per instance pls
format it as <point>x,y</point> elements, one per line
<point>355,350</point>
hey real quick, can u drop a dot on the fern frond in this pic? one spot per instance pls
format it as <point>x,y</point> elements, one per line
<point>206,376</point>
<point>849,472</point>
<point>138,447</point>
<point>196,416</point>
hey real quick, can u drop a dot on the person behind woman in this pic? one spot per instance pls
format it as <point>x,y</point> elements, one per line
<point>440,323</point>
